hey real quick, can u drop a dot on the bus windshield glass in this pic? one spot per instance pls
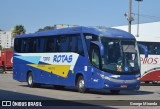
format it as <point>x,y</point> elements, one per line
<point>120,56</point>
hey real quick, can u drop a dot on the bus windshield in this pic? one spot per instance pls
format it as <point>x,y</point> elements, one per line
<point>120,56</point>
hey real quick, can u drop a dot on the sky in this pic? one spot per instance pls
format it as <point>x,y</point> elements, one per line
<point>35,14</point>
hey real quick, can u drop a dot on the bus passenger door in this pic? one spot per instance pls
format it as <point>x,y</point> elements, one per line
<point>96,64</point>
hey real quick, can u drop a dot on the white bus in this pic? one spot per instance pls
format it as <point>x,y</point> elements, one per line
<point>150,67</point>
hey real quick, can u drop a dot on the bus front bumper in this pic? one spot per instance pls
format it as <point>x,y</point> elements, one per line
<point>122,84</point>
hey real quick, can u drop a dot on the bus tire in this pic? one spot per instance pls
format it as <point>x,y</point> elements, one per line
<point>147,82</point>
<point>81,85</point>
<point>2,69</point>
<point>114,92</point>
<point>30,80</point>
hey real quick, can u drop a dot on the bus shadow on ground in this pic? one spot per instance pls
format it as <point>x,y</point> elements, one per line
<point>150,84</point>
<point>6,95</point>
<point>122,92</point>
<point>95,91</point>
<point>72,89</point>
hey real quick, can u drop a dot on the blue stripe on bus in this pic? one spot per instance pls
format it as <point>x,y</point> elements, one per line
<point>31,59</point>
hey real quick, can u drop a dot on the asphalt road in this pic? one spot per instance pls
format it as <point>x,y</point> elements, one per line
<point>14,90</point>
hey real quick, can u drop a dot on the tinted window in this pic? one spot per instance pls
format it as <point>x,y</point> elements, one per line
<point>63,44</point>
<point>50,44</point>
<point>74,46</point>
<point>40,45</point>
<point>153,48</point>
<point>31,45</point>
<point>23,45</point>
<point>80,46</point>
<point>66,43</point>
<point>95,56</point>
<point>17,45</point>
<point>89,38</point>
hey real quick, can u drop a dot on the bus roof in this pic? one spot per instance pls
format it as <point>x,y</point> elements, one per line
<point>106,32</point>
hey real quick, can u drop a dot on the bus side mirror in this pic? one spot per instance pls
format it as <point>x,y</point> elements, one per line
<point>144,49</point>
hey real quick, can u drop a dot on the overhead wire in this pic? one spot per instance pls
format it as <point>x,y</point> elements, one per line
<point>147,16</point>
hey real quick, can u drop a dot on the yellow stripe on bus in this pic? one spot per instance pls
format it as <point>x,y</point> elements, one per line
<point>60,70</point>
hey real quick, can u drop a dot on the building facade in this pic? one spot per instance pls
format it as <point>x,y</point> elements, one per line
<point>6,39</point>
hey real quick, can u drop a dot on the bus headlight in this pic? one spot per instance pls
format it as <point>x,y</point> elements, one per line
<point>138,78</point>
<point>107,78</point>
<point>104,77</point>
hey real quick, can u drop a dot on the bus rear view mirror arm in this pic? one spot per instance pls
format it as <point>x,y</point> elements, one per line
<point>144,49</point>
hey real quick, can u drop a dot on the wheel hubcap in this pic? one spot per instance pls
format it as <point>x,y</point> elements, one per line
<point>30,80</point>
<point>81,84</point>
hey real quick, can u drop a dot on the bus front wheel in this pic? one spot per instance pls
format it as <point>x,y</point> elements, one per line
<point>30,80</point>
<point>147,82</point>
<point>81,85</point>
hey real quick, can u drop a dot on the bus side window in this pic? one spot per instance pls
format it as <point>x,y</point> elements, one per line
<point>17,45</point>
<point>50,44</point>
<point>40,45</point>
<point>80,46</point>
<point>158,49</point>
<point>153,48</point>
<point>141,51</point>
<point>55,44</point>
<point>32,45</point>
<point>74,45</point>
<point>24,45</point>
<point>64,44</point>
<point>89,38</point>
<point>95,55</point>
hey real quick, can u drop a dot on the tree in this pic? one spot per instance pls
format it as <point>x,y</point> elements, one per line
<point>18,30</point>
<point>46,28</point>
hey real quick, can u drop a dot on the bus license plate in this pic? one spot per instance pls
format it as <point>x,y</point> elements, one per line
<point>123,86</point>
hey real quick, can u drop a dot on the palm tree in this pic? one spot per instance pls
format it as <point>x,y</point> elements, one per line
<point>18,30</point>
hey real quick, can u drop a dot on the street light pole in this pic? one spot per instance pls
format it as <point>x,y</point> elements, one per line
<point>130,16</point>
<point>138,22</point>
<point>138,17</point>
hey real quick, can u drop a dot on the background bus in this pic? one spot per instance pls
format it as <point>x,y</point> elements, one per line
<point>150,67</point>
<point>80,56</point>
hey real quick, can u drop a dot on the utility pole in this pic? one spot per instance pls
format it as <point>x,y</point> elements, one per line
<point>138,17</point>
<point>130,19</point>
